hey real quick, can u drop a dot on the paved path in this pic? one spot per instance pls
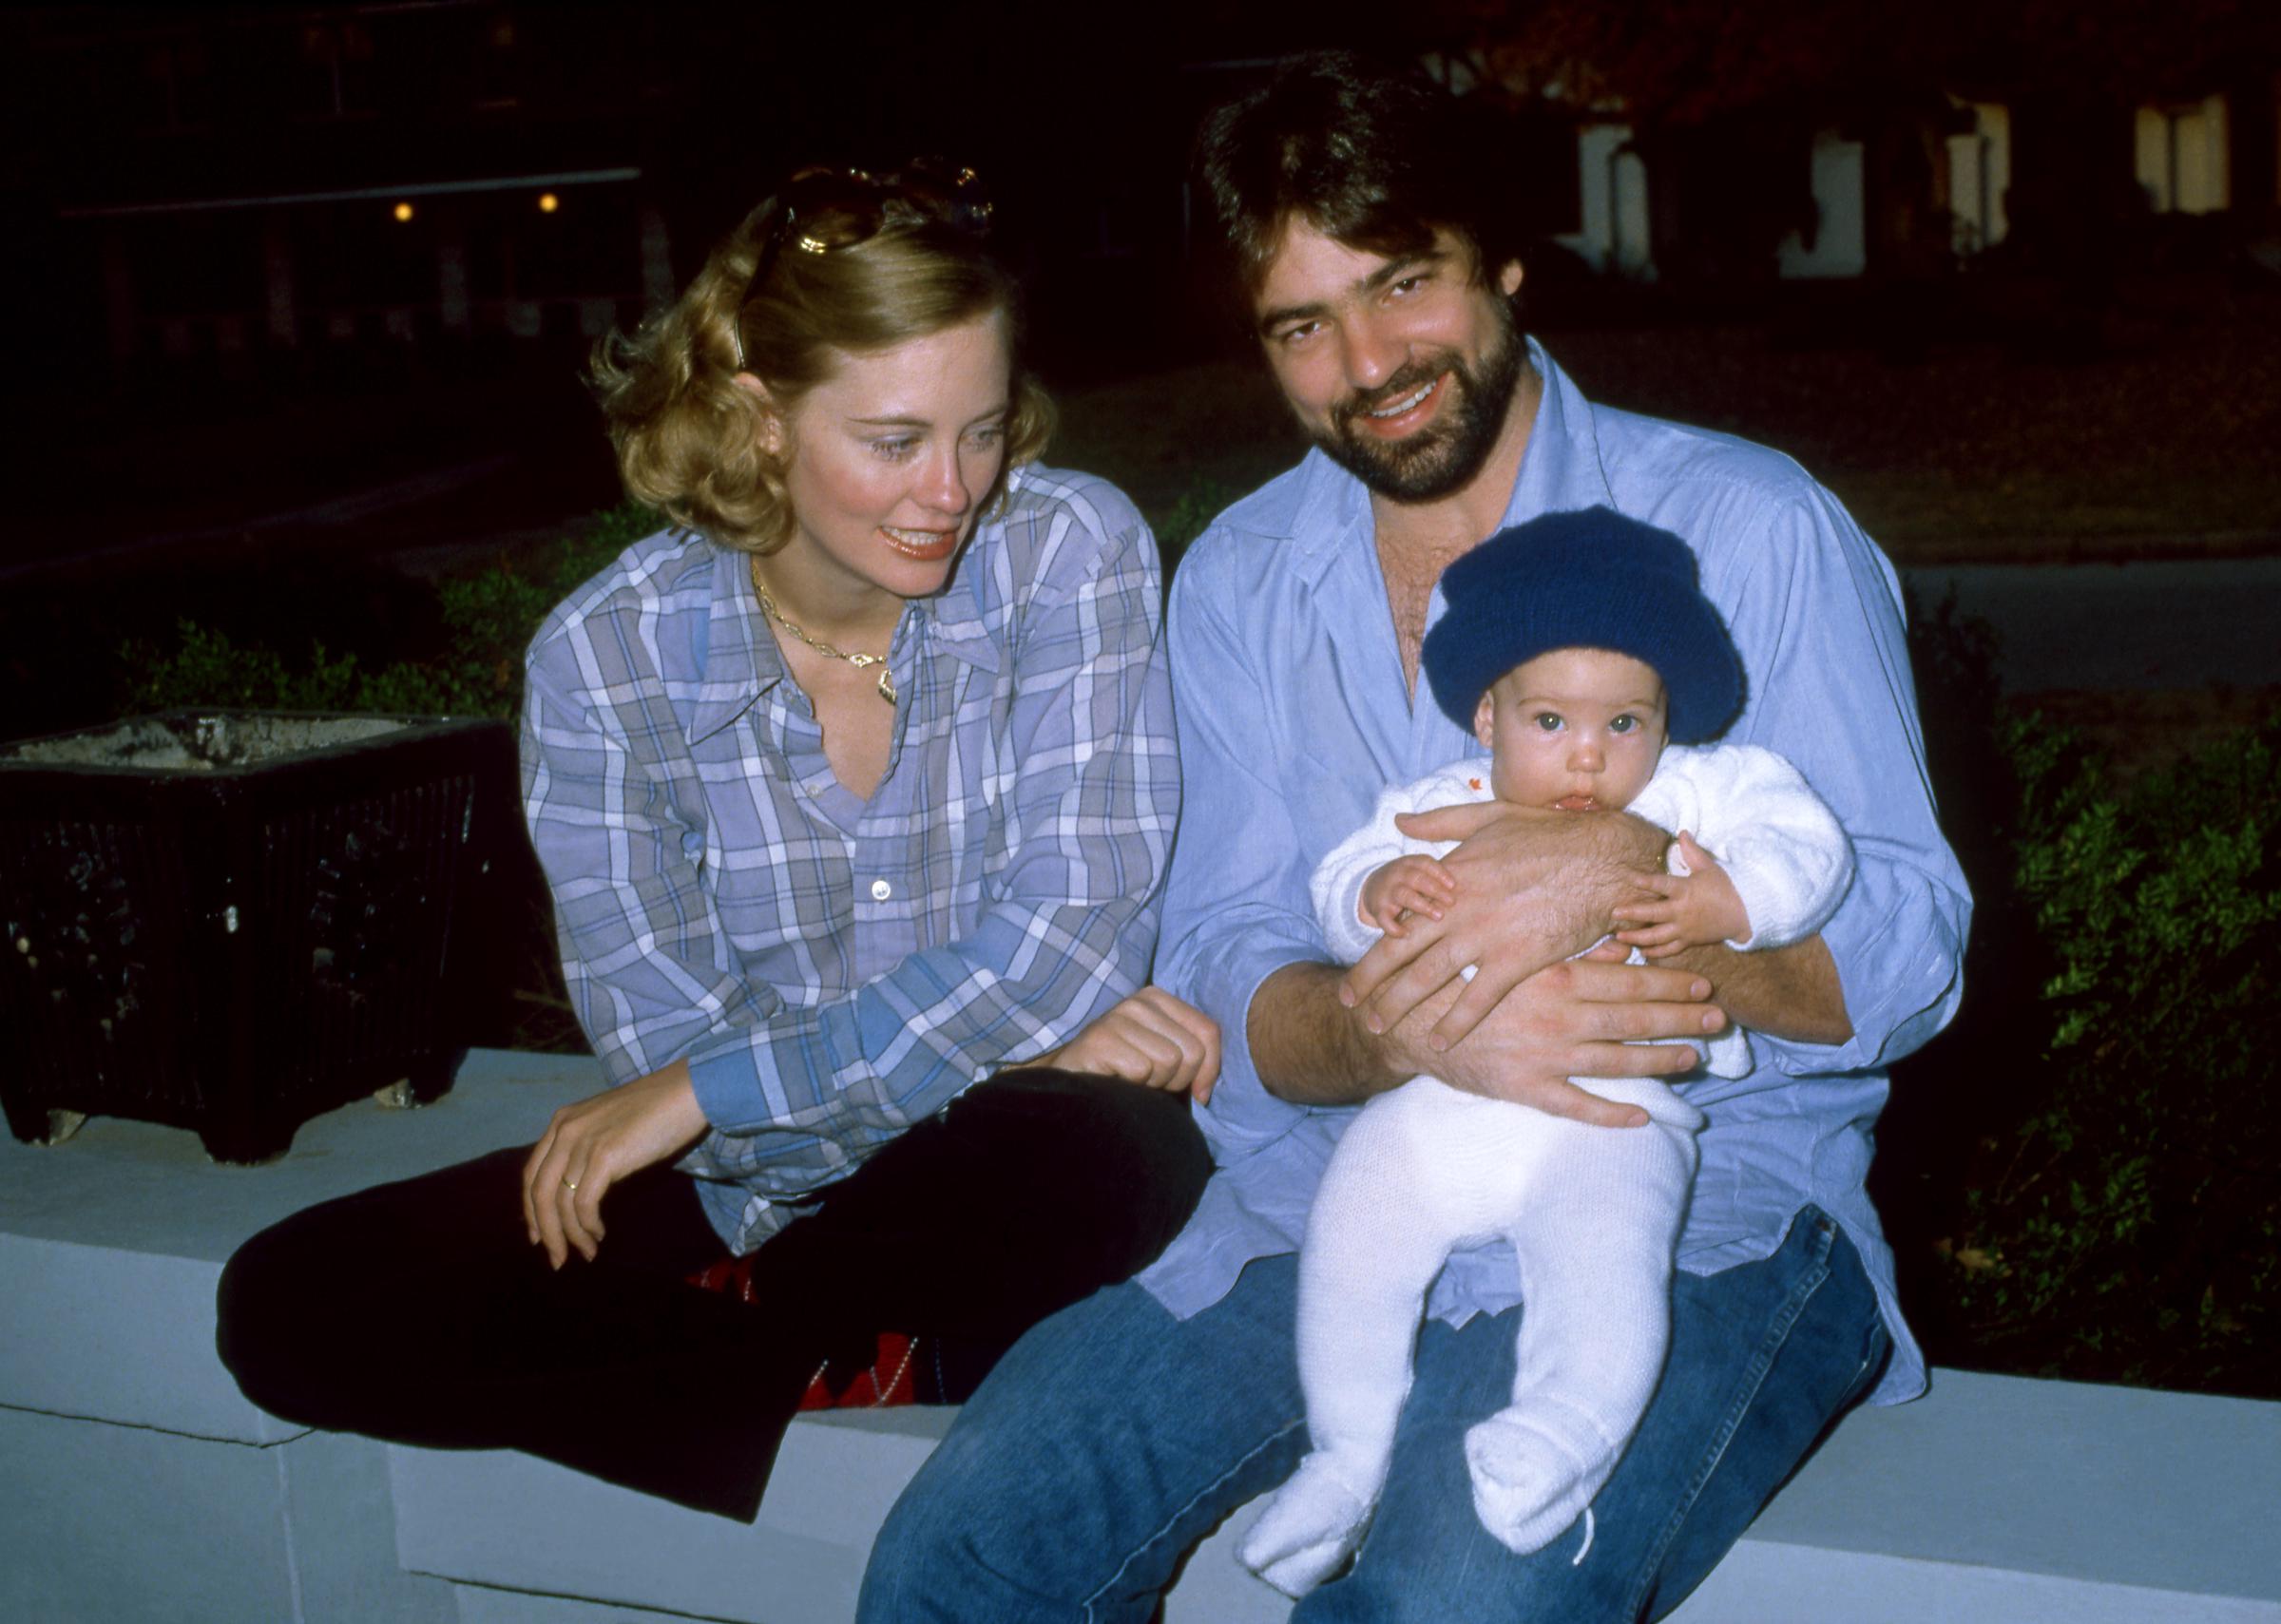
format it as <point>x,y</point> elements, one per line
<point>2169,624</point>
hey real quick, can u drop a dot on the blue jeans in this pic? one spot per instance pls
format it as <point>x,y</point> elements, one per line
<point>1114,1436</point>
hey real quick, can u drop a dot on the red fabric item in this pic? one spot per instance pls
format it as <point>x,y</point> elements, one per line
<point>889,1380</point>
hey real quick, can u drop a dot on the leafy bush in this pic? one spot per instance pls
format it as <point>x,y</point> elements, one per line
<point>2128,1224</point>
<point>2083,1178</point>
<point>1184,519</point>
<point>475,669</point>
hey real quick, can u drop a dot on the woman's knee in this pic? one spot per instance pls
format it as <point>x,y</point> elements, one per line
<point>343,1291</point>
<point>269,1310</point>
<point>1132,1141</point>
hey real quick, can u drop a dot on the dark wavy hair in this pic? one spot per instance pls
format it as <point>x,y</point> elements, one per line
<point>1373,157</point>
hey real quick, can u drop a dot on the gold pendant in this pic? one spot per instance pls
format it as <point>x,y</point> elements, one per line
<point>887,684</point>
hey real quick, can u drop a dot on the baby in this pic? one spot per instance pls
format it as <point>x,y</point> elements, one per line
<point>1573,645</point>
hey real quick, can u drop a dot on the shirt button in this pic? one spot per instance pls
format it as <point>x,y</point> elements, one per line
<point>881,890</point>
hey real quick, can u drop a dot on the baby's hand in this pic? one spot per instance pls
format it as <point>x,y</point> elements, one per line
<point>1406,886</point>
<point>1686,911</point>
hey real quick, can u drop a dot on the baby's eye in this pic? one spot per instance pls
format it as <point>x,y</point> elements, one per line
<point>1624,725</point>
<point>1549,721</point>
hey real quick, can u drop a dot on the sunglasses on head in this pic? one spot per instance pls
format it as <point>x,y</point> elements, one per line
<point>822,209</point>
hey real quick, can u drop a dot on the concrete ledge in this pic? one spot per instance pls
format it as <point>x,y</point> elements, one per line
<point>140,1485</point>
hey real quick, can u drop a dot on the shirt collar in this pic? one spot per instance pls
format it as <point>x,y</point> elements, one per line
<point>1561,469</point>
<point>955,621</point>
<point>742,661</point>
<point>739,662</point>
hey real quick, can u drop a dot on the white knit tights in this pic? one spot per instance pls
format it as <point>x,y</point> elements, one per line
<point>1593,1215</point>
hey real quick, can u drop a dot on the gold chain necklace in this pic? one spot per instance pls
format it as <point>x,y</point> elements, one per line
<point>860,661</point>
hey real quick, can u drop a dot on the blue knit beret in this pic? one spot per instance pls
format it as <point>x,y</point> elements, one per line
<point>1585,579</point>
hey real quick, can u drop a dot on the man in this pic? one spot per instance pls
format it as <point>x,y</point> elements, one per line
<point>1121,1431</point>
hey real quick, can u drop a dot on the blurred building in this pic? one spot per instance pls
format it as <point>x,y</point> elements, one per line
<point>1891,190</point>
<point>238,188</point>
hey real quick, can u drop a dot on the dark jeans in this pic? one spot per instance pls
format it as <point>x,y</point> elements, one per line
<point>418,1312</point>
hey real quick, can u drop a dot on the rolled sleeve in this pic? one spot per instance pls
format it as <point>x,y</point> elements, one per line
<point>1818,620</point>
<point>1898,942</point>
<point>648,969</point>
<point>1237,905</point>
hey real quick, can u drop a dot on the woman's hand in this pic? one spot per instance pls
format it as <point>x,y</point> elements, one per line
<point>1151,1039</point>
<point>591,1145</point>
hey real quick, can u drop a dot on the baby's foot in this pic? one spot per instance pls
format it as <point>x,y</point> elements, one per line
<point>1536,1467</point>
<point>1308,1531</point>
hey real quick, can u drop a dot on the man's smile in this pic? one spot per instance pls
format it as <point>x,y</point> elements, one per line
<point>1405,413</point>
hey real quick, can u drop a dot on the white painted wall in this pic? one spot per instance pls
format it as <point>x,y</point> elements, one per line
<point>1841,246</point>
<point>1980,173</point>
<point>139,1487</point>
<point>1614,236</point>
<point>2181,157</point>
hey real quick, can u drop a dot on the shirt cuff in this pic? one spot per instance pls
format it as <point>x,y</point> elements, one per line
<point>1243,1116</point>
<point>728,1087</point>
<point>1899,964</point>
<point>736,1074</point>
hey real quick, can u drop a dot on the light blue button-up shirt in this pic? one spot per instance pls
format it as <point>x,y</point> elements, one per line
<point>1294,714</point>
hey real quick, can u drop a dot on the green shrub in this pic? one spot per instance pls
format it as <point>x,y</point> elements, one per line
<point>1184,518</point>
<point>488,617</point>
<point>2120,1219</point>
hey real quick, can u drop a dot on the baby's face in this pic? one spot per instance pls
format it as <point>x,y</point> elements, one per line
<point>1578,729</point>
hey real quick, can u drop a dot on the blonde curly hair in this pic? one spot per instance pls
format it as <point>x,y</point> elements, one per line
<point>690,438</point>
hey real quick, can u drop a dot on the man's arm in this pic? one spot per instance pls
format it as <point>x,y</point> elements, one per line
<point>1567,873</point>
<point>1790,864</point>
<point>1791,993</point>
<point>1310,1049</point>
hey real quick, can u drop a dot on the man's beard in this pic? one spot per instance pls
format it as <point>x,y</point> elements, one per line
<point>1445,456</point>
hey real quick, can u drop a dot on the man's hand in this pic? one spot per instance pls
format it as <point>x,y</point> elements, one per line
<point>1579,1018</point>
<point>591,1145</point>
<point>1416,884</point>
<point>1693,910</point>
<point>1533,888</point>
<point>1151,1039</point>
<point>1572,1019</point>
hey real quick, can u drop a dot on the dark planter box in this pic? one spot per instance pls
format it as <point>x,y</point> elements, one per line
<point>231,922</point>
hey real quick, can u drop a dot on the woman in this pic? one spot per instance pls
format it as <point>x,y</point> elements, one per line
<point>853,790</point>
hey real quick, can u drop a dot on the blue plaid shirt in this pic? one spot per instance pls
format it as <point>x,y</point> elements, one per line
<point>836,969</point>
